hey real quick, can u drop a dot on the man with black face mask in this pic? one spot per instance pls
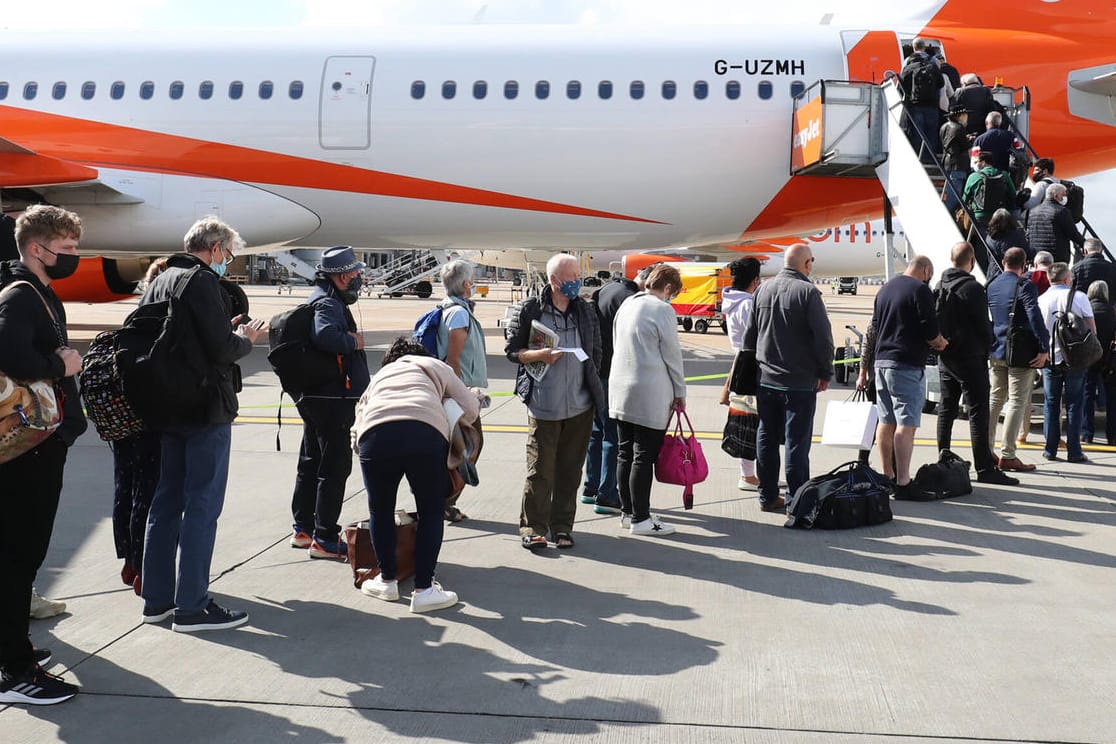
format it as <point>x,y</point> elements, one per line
<point>328,411</point>
<point>34,346</point>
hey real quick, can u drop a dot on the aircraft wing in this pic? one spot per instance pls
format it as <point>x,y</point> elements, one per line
<point>24,168</point>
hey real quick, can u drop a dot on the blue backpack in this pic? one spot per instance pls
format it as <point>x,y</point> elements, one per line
<point>426,330</point>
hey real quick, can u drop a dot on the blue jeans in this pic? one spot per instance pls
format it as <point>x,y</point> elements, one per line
<point>957,178</point>
<point>1056,380</point>
<point>926,118</point>
<point>183,518</point>
<point>600,460</point>
<point>388,452</point>
<point>790,413</point>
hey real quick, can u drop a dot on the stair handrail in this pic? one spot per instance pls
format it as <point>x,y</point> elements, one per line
<point>905,116</point>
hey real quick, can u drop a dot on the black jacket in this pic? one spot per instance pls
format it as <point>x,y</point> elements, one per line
<point>963,316</point>
<point>333,321</point>
<point>979,101</point>
<point>589,330</point>
<point>608,300</point>
<point>218,347</point>
<point>1095,267</point>
<point>955,146</point>
<point>1104,315</point>
<point>1050,228</point>
<point>28,340</point>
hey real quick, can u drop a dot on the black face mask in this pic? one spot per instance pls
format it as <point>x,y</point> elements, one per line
<point>65,264</point>
<point>351,291</point>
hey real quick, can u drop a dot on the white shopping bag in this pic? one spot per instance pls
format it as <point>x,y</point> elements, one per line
<point>850,424</point>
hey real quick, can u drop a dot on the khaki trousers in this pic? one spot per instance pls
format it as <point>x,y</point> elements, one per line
<point>1011,392</point>
<point>555,454</point>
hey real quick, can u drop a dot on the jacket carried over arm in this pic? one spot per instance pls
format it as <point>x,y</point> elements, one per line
<point>28,340</point>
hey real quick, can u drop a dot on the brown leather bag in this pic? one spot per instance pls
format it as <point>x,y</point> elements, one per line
<point>362,556</point>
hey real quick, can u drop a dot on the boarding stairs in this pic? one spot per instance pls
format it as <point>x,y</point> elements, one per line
<point>409,273</point>
<point>295,265</point>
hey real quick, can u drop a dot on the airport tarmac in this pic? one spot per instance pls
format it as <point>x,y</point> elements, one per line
<point>986,618</point>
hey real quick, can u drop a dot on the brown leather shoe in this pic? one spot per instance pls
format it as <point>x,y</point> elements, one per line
<point>1021,440</point>
<point>777,505</point>
<point>1015,464</point>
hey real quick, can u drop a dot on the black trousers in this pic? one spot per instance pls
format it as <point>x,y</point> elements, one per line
<point>30,486</point>
<point>968,377</point>
<point>635,467</point>
<point>325,461</point>
<point>135,465</point>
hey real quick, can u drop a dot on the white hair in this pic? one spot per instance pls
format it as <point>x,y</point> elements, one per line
<point>970,78</point>
<point>454,275</point>
<point>554,265</point>
<point>208,232</point>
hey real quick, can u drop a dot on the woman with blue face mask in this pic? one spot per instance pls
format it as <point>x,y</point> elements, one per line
<point>645,385</point>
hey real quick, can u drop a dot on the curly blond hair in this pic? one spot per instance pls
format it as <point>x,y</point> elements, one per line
<point>43,223</point>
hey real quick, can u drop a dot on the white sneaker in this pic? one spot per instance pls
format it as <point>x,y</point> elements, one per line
<point>745,485</point>
<point>434,598</point>
<point>652,527</point>
<point>625,522</point>
<point>42,608</point>
<point>380,589</point>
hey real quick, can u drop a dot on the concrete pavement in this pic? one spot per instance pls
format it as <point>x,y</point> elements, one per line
<point>986,618</point>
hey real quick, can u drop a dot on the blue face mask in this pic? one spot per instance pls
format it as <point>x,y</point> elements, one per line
<point>220,268</point>
<point>571,289</point>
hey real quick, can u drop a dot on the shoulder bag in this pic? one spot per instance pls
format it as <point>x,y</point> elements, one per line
<point>1021,344</point>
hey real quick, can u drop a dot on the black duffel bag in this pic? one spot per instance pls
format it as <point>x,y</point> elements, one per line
<point>850,495</point>
<point>944,479</point>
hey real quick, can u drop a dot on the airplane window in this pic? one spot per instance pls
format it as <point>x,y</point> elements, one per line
<point>701,90</point>
<point>449,89</point>
<point>635,90</point>
<point>266,89</point>
<point>205,90</point>
<point>573,90</point>
<point>176,89</point>
<point>3,91</point>
<point>511,90</point>
<point>732,89</point>
<point>117,90</point>
<point>59,91</point>
<point>30,91</point>
<point>796,88</point>
<point>295,90</point>
<point>418,90</point>
<point>480,89</point>
<point>670,89</point>
<point>604,89</point>
<point>765,90</point>
<point>542,89</point>
<point>236,90</point>
<point>88,89</point>
<point>147,89</point>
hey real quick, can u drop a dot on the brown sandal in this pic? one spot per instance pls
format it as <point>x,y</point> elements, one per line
<point>453,514</point>
<point>563,540</point>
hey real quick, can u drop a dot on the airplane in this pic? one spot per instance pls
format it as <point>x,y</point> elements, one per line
<point>845,250</point>
<point>490,137</point>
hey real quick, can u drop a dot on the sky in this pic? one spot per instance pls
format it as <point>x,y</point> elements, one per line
<point>188,15</point>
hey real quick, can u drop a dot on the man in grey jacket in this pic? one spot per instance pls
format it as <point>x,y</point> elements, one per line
<point>790,332</point>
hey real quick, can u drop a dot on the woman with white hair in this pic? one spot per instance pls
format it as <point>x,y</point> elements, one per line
<point>1101,374</point>
<point>461,342</point>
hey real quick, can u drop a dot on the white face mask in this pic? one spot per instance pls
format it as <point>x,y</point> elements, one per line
<point>1064,200</point>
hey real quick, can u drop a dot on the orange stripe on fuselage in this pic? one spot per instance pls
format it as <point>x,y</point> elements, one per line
<point>128,148</point>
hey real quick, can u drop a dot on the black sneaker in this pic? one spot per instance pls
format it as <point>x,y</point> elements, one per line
<point>912,492</point>
<point>40,655</point>
<point>35,688</point>
<point>213,617</point>
<point>157,614</point>
<point>996,477</point>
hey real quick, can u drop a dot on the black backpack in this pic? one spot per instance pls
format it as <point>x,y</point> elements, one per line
<point>990,193</point>
<point>1075,201</point>
<point>1080,346</point>
<point>299,364</point>
<point>925,82</point>
<point>162,365</point>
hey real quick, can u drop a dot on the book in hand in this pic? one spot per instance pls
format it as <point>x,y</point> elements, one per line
<point>542,337</point>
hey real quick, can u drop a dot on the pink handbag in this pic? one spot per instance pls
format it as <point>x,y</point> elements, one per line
<point>681,461</point>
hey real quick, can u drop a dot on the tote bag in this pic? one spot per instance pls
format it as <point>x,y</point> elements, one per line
<point>681,461</point>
